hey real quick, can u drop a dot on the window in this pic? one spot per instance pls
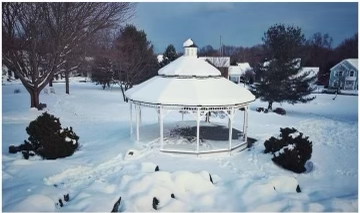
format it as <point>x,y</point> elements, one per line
<point>335,84</point>
<point>352,73</point>
<point>339,73</point>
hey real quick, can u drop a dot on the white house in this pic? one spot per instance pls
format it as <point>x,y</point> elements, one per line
<point>238,71</point>
<point>344,75</point>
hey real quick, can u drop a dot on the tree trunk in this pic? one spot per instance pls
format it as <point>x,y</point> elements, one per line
<point>207,117</point>
<point>51,83</point>
<point>270,105</point>
<point>67,88</point>
<point>123,93</point>
<point>34,96</point>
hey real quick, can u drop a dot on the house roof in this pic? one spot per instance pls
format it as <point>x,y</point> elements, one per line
<point>217,61</point>
<point>352,61</point>
<point>240,69</point>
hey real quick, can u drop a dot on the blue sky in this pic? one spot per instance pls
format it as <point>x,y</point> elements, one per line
<point>240,23</point>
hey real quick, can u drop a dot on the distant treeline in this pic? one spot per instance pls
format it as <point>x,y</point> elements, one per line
<point>317,52</point>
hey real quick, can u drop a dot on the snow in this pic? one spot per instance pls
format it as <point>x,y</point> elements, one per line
<point>179,91</point>
<point>217,61</point>
<point>188,43</point>
<point>189,66</point>
<point>160,58</point>
<point>102,170</point>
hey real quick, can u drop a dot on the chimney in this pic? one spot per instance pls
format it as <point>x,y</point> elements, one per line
<point>190,48</point>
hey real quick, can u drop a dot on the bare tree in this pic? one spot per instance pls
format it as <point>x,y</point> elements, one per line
<point>38,37</point>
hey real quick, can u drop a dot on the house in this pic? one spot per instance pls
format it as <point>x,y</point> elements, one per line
<point>222,63</point>
<point>238,71</point>
<point>344,75</point>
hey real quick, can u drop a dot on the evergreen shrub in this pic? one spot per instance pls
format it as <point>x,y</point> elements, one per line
<point>47,139</point>
<point>291,150</point>
<point>280,111</point>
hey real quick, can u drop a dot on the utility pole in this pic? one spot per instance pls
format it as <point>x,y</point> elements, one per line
<point>220,47</point>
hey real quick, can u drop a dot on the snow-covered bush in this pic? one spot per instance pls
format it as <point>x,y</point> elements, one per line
<point>280,111</point>
<point>291,150</point>
<point>47,139</point>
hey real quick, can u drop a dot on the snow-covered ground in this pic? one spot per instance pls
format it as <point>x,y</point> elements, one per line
<point>110,165</point>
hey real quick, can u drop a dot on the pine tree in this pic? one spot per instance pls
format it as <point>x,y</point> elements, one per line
<point>280,77</point>
<point>169,55</point>
<point>134,59</point>
<point>102,72</point>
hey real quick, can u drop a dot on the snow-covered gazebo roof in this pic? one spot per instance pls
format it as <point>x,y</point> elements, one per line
<point>189,81</point>
<point>193,85</point>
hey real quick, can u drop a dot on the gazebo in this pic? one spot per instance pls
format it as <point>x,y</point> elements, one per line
<point>195,86</point>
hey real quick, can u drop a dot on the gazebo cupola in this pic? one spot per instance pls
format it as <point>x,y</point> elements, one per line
<point>190,48</point>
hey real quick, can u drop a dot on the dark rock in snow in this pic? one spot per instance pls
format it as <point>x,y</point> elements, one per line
<point>298,190</point>
<point>157,169</point>
<point>259,109</point>
<point>131,153</point>
<point>66,197</point>
<point>155,203</point>
<point>172,196</point>
<point>211,179</point>
<point>61,203</point>
<point>116,205</point>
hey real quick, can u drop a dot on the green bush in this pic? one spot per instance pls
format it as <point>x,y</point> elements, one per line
<point>291,150</point>
<point>47,139</point>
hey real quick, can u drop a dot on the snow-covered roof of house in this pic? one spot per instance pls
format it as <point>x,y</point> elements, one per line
<point>189,81</point>
<point>239,69</point>
<point>352,61</point>
<point>217,61</point>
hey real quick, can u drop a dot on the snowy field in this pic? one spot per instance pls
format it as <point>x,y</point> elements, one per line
<point>102,170</point>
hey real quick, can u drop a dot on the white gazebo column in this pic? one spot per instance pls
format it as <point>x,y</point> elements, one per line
<point>131,124</point>
<point>137,122</point>
<point>139,114</point>
<point>244,121</point>
<point>230,126</point>
<point>161,128</point>
<point>197,130</point>
<point>246,126</point>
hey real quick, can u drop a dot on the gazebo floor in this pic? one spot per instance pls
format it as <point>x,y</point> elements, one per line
<point>181,137</point>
